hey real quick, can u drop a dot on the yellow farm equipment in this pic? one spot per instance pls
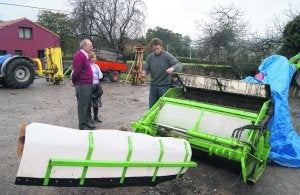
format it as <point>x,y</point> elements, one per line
<point>54,66</point>
<point>19,71</point>
<point>135,71</point>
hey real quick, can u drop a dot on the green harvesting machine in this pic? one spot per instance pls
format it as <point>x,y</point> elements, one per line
<point>220,117</point>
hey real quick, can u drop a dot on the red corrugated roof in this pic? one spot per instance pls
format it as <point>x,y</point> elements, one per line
<point>11,22</point>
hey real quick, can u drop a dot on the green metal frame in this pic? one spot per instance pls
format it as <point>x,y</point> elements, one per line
<point>67,73</point>
<point>252,164</point>
<point>294,60</point>
<point>125,164</point>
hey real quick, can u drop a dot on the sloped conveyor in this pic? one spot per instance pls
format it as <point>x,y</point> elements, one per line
<point>60,156</point>
<point>221,117</point>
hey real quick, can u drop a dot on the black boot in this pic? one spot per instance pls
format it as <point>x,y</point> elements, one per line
<point>90,120</point>
<point>96,118</point>
<point>89,115</point>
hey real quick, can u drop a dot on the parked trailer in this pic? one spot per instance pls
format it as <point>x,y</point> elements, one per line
<point>111,70</point>
<point>110,62</point>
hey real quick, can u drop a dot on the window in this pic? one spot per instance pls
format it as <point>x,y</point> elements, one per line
<point>41,53</point>
<point>3,52</point>
<point>25,33</point>
<point>18,52</point>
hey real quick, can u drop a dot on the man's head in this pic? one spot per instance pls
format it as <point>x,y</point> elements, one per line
<point>156,45</point>
<point>86,45</point>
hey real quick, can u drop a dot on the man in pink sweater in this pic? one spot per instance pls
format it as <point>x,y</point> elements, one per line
<point>82,78</point>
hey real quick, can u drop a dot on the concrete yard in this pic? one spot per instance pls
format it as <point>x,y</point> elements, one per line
<point>122,103</point>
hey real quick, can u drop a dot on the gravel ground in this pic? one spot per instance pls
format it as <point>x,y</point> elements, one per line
<point>122,103</point>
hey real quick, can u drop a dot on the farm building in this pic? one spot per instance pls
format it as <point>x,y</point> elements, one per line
<point>22,36</point>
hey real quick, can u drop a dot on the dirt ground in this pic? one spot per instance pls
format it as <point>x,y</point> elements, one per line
<point>122,103</point>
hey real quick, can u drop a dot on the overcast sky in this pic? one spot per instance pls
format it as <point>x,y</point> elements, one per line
<point>180,16</point>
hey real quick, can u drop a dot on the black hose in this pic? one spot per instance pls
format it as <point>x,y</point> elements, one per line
<point>270,113</point>
<point>237,132</point>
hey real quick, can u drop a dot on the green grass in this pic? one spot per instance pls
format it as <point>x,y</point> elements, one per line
<point>129,62</point>
<point>123,76</point>
<point>205,65</point>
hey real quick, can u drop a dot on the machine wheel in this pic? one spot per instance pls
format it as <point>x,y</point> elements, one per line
<point>297,77</point>
<point>113,76</point>
<point>19,73</point>
<point>2,82</point>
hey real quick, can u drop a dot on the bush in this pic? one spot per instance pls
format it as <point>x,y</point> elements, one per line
<point>195,61</point>
<point>188,60</point>
<point>67,58</point>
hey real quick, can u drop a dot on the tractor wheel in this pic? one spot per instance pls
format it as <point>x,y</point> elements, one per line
<point>2,82</point>
<point>113,76</point>
<point>19,73</point>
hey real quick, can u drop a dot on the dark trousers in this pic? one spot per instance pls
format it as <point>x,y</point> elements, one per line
<point>156,91</point>
<point>84,96</point>
<point>95,102</point>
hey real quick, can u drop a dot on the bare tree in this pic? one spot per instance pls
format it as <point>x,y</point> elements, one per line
<point>269,43</point>
<point>81,18</point>
<point>261,46</point>
<point>109,22</point>
<point>220,38</point>
<point>288,14</point>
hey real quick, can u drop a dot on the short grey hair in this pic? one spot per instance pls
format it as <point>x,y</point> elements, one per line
<point>83,43</point>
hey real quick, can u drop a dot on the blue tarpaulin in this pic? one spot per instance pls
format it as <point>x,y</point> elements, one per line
<point>3,58</point>
<point>284,140</point>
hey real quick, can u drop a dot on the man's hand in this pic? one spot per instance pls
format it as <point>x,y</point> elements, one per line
<point>170,70</point>
<point>144,74</point>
